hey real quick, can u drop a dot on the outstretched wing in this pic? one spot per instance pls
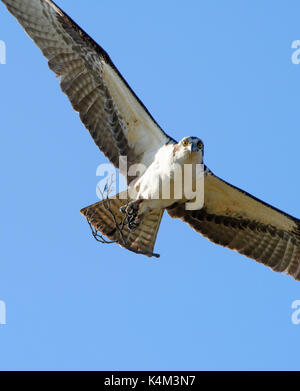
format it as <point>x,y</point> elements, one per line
<point>117,120</point>
<point>235,219</point>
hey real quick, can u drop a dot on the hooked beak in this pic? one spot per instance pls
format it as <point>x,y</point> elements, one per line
<point>193,148</point>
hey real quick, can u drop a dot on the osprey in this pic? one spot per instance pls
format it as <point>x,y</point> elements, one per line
<point>121,125</point>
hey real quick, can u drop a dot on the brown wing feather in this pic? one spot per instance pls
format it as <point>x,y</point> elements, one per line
<point>117,120</point>
<point>234,219</point>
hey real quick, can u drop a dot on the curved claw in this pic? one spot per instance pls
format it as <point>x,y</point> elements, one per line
<point>130,219</point>
<point>123,209</point>
<point>132,226</point>
<point>131,212</point>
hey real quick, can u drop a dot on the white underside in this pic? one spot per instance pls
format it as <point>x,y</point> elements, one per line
<point>162,184</point>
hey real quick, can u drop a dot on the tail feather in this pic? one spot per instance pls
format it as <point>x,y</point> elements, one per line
<point>141,240</point>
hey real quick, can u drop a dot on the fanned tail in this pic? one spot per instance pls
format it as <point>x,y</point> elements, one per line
<point>105,216</point>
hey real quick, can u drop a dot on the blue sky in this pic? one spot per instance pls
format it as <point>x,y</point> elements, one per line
<point>218,70</point>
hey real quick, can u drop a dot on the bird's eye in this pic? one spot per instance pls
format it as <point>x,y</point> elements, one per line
<point>185,143</point>
<point>199,145</point>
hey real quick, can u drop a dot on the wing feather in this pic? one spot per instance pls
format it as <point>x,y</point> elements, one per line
<point>235,219</point>
<point>117,120</point>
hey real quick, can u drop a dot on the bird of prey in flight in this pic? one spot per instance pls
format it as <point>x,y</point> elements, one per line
<point>120,125</point>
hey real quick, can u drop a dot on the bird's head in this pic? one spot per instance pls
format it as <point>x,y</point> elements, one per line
<point>191,147</point>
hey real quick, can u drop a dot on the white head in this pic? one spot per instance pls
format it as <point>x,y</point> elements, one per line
<point>191,148</point>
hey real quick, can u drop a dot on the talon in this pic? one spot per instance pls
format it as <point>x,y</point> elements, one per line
<point>132,226</point>
<point>131,212</point>
<point>123,209</point>
<point>129,220</point>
